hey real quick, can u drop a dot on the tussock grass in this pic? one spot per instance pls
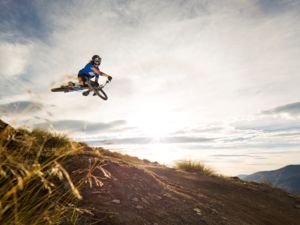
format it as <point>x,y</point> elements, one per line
<point>50,140</point>
<point>34,186</point>
<point>194,166</point>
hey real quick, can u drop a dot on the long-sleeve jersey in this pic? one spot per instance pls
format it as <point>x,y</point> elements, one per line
<point>90,70</point>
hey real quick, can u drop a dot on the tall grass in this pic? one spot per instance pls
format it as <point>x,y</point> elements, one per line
<point>34,186</point>
<point>194,166</point>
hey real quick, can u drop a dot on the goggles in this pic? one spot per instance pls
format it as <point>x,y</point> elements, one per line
<point>97,61</point>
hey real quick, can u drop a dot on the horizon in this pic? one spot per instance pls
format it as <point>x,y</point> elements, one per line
<point>209,81</point>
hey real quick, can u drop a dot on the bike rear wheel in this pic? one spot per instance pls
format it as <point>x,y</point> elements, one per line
<point>99,91</point>
<point>61,89</point>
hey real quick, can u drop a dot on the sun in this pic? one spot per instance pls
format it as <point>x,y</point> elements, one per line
<point>155,128</point>
<point>154,124</point>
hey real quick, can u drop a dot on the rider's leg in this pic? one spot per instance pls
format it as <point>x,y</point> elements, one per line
<point>71,84</point>
<point>82,82</point>
<point>86,93</point>
<point>94,83</point>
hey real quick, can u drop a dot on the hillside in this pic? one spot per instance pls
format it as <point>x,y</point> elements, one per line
<point>96,186</point>
<point>287,178</point>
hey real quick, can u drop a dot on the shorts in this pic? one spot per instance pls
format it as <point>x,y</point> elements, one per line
<point>84,77</point>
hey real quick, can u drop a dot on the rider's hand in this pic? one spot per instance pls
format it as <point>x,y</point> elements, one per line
<point>109,78</point>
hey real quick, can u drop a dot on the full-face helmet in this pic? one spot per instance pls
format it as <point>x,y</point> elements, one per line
<point>96,60</point>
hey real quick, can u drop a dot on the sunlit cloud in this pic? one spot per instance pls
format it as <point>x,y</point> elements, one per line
<point>14,59</point>
<point>292,109</point>
<point>21,107</point>
<point>81,126</point>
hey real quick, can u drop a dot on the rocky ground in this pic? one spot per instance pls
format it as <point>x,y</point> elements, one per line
<point>137,192</point>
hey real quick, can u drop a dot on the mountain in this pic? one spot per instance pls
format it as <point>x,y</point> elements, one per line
<point>287,178</point>
<point>47,178</point>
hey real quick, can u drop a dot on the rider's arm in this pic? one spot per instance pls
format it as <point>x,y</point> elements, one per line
<point>109,78</point>
<point>99,73</point>
<point>104,74</point>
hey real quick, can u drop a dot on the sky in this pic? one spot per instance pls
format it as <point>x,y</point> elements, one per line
<point>215,81</point>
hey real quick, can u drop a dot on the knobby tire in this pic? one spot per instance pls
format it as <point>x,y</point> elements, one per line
<point>61,89</point>
<point>98,91</point>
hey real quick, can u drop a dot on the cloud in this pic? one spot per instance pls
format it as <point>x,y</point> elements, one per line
<point>292,109</point>
<point>185,139</point>
<point>269,125</point>
<point>151,140</point>
<point>274,7</point>
<point>81,126</point>
<point>13,59</point>
<point>124,141</point>
<point>21,108</point>
<point>237,157</point>
<point>23,21</point>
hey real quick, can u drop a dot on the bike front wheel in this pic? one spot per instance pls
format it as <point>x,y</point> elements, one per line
<point>99,91</point>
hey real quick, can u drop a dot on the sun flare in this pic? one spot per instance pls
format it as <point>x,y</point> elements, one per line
<point>155,124</point>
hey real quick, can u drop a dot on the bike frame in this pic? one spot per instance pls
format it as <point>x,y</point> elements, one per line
<point>78,87</point>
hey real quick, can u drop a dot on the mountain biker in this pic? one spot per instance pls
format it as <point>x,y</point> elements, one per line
<point>90,71</point>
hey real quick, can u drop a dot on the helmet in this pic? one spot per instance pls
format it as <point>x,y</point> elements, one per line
<point>96,60</point>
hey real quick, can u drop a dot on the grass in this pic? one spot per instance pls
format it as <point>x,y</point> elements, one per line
<point>34,186</point>
<point>194,166</point>
<point>50,140</point>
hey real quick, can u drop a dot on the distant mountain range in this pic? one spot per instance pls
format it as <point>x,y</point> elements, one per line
<point>287,178</point>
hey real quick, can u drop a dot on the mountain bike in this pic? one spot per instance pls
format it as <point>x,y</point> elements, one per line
<point>90,85</point>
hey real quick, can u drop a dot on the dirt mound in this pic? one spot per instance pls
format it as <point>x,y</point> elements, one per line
<point>119,189</point>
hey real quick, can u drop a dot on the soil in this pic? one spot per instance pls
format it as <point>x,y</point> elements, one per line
<point>138,192</point>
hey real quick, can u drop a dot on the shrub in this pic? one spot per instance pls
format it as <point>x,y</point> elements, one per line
<point>194,166</point>
<point>34,186</point>
<point>50,140</point>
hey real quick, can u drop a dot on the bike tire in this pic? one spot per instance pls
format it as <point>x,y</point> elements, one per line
<point>61,89</point>
<point>98,91</point>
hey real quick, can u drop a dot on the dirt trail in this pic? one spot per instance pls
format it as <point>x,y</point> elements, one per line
<point>140,192</point>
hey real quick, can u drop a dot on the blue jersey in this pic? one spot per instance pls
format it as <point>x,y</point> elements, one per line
<point>90,70</point>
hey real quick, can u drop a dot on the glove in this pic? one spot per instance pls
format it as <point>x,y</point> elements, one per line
<point>109,78</point>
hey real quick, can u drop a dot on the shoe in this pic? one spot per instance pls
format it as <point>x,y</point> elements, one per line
<point>86,93</point>
<point>94,94</point>
<point>71,84</point>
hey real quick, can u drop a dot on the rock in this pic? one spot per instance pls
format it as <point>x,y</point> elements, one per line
<point>168,195</point>
<point>135,199</point>
<point>198,211</point>
<point>139,207</point>
<point>145,201</point>
<point>116,201</point>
